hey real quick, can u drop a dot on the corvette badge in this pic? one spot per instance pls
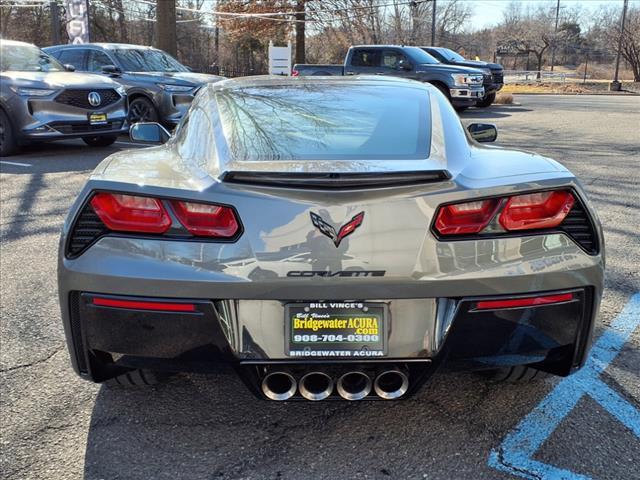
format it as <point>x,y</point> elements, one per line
<point>344,231</point>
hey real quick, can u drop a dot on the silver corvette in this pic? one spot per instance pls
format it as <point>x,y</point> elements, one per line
<point>328,238</point>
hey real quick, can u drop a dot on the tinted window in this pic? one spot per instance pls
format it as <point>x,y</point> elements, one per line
<point>73,56</point>
<point>451,55</point>
<point>147,60</point>
<point>366,58</point>
<point>26,58</point>
<point>326,121</point>
<point>392,59</point>
<point>96,60</point>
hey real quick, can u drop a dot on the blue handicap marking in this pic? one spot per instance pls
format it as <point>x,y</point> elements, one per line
<point>515,454</point>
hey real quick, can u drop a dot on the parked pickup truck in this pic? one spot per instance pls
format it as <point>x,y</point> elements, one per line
<point>493,72</point>
<point>462,85</point>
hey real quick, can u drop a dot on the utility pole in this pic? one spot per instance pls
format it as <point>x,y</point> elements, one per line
<point>616,85</point>
<point>555,37</point>
<point>55,22</point>
<point>433,23</point>
<point>300,24</point>
<point>166,26</point>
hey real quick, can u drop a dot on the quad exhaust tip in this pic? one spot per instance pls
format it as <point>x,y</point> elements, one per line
<point>279,386</point>
<point>316,386</point>
<point>354,385</point>
<point>391,384</point>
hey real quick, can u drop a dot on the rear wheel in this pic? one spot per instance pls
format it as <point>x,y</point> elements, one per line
<point>487,100</point>
<point>137,378</point>
<point>517,374</point>
<point>100,141</point>
<point>8,144</point>
<point>141,109</point>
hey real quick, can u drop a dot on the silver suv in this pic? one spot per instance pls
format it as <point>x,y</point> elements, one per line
<point>40,99</point>
<point>160,88</point>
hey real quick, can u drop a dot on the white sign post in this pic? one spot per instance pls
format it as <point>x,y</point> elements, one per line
<point>279,59</point>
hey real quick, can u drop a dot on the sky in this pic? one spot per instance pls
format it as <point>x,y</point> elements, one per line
<point>489,12</point>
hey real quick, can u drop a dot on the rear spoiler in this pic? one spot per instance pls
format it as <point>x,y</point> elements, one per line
<point>335,180</point>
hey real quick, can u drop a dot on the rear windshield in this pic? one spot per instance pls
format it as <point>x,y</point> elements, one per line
<point>326,122</point>
<point>26,58</point>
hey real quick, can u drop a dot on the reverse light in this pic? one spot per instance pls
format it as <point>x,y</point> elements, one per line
<point>523,302</point>
<point>536,210</point>
<point>468,217</point>
<point>206,220</point>
<point>131,213</point>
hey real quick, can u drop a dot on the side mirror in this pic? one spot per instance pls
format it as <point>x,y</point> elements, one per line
<point>148,132</point>
<point>111,70</point>
<point>404,65</point>
<point>483,132</point>
<point>69,68</point>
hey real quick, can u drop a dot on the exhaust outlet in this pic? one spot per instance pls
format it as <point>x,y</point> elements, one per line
<point>279,386</point>
<point>391,384</point>
<point>316,386</point>
<point>354,385</point>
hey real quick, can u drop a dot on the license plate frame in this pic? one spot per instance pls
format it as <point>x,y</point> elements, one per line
<point>338,339</point>
<point>97,118</point>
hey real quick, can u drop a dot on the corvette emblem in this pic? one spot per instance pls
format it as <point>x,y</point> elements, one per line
<point>344,231</point>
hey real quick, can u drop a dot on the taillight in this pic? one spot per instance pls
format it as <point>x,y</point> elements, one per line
<point>131,213</point>
<point>536,210</point>
<point>531,211</point>
<point>523,302</point>
<point>295,73</point>
<point>468,217</point>
<point>206,220</point>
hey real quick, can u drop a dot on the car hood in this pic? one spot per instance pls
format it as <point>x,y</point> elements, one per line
<point>480,64</point>
<point>177,78</point>
<point>441,67</point>
<point>59,79</point>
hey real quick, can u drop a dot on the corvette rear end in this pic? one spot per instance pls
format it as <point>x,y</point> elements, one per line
<point>328,239</point>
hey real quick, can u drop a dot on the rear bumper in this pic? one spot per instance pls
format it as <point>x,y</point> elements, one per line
<point>425,334</point>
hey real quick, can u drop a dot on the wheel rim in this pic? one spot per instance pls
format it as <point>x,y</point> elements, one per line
<point>139,112</point>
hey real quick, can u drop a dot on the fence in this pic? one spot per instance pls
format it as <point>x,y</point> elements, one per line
<point>535,76</point>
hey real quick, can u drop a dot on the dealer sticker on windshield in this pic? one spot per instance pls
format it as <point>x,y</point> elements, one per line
<point>335,329</point>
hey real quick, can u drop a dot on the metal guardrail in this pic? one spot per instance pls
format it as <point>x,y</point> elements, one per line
<point>535,76</point>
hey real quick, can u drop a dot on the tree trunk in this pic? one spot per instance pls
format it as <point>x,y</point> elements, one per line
<point>300,34</point>
<point>166,26</point>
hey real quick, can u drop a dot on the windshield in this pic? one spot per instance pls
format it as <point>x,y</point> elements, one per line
<point>27,58</point>
<point>451,55</point>
<point>326,122</point>
<point>420,56</point>
<point>147,60</point>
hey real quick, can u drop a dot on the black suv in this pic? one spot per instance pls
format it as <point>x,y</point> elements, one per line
<point>493,72</point>
<point>160,88</point>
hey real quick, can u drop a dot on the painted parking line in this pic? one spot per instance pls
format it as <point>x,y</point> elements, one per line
<point>131,144</point>
<point>515,454</point>
<point>17,164</point>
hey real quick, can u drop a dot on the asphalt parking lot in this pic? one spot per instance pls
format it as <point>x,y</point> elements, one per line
<point>55,426</point>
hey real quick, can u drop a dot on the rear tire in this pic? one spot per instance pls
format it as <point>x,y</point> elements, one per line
<point>517,374</point>
<point>137,378</point>
<point>100,141</point>
<point>487,101</point>
<point>8,144</point>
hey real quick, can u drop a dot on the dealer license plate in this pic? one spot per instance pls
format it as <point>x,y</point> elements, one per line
<point>97,118</point>
<point>335,329</point>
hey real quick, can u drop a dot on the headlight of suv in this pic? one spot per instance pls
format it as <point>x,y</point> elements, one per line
<point>174,88</point>
<point>33,92</point>
<point>465,79</point>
